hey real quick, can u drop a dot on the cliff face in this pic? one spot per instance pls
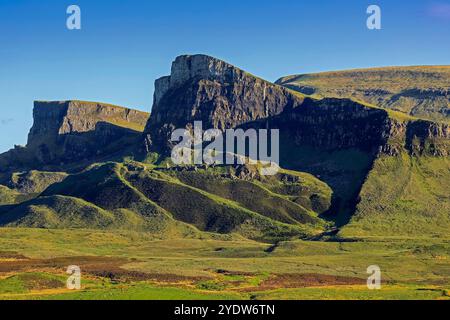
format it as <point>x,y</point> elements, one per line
<point>333,124</point>
<point>418,137</point>
<point>335,139</point>
<point>69,131</point>
<point>202,88</point>
<point>55,119</point>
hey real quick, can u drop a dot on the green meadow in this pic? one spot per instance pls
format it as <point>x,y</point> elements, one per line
<point>137,265</point>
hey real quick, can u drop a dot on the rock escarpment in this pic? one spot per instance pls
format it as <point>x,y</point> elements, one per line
<point>70,131</point>
<point>203,88</point>
<point>335,139</point>
<point>418,137</point>
<point>53,119</point>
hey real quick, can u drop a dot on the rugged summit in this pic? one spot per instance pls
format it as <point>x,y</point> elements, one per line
<point>70,131</point>
<point>203,88</point>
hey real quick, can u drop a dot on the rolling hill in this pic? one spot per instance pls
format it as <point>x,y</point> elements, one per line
<point>420,91</point>
<point>138,197</point>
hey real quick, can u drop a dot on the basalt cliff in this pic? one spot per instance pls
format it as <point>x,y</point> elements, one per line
<point>67,132</point>
<point>203,88</point>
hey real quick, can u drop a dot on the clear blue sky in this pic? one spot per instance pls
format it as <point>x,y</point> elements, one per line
<point>124,46</point>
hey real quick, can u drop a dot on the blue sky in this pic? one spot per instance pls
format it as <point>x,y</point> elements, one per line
<point>124,46</point>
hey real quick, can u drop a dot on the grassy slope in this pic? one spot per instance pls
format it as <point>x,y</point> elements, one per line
<point>95,199</point>
<point>418,91</point>
<point>8,196</point>
<point>57,212</point>
<point>213,213</point>
<point>35,182</point>
<point>404,195</point>
<point>270,197</point>
<point>136,197</point>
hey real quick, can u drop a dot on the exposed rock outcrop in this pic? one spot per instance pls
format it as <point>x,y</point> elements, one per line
<point>55,119</point>
<point>203,88</point>
<point>418,137</point>
<point>70,131</point>
<point>335,139</point>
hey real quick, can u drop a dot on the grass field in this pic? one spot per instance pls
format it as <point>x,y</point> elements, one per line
<point>136,265</point>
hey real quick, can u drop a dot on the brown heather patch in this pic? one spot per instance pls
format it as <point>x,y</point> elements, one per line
<point>10,255</point>
<point>235,273</point>
<point>36,282</point>
<point>102,267</point>
<point>289,281</point>
<point>56,263</point>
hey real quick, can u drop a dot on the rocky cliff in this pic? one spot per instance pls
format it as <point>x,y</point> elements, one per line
<point>335,139</point>
<point>418,137</point>
<point>55,119</point>
<point>70,131</point>
<point>203,88</point>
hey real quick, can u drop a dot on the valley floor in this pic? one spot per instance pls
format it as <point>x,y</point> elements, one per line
<point>132,265</point>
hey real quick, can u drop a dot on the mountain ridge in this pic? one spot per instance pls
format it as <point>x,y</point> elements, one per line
<point>337,149</point>
<point>421,91</point>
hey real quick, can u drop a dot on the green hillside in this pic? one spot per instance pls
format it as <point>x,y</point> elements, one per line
<point>57,212</point>
<point>35,182</point>
<point>8,196</point>
<point>180,200</point>
<point>421,91</point>
<point>404,196</point>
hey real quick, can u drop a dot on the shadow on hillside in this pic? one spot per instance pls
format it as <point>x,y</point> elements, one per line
<point>336,146</point>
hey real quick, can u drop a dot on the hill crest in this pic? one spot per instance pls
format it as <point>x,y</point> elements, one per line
<point>419,91</point>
